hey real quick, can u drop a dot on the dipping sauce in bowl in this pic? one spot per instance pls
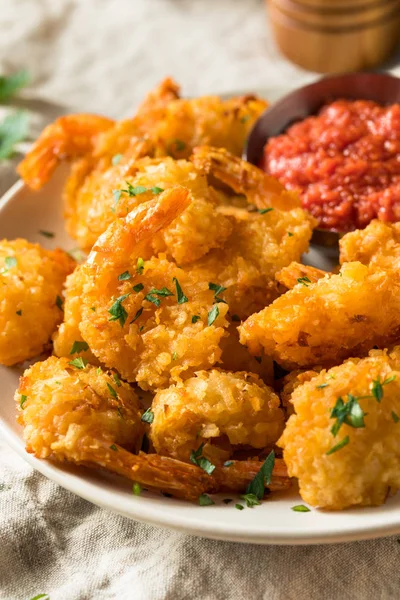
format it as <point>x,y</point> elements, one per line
<point>344,162</point>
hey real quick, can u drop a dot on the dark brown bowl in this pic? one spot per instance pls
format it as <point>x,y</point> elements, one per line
<point>307,100</point>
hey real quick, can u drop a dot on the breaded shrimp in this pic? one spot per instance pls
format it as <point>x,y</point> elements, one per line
<point>325,322</point>
<point>296,273</point>
<point>343,442</point>
<point>216,410</point>
<point>31,287</point>
<point>147,318</point>
<point>67,138</point>
<point>105,196</point>
<point>87,416</point>
<point>378,244</point>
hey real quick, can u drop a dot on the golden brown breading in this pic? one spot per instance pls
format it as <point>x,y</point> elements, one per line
<point>365,463</point>
<point>31,281</point>
<point>289,276</point>
<point>378,244</point>
<point>218,409</point>
<point>325,322</point>
<point>289,383</point>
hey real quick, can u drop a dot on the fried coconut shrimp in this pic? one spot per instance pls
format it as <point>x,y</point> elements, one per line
<point>105,196</point>
<point>325,322</point>
<point>79,414</point>
<point>261,242</point>
<point>31,304</point>
<point>216,410</point>
<point>146,317</point>
<point>378,244</point>
<point>342,443</point>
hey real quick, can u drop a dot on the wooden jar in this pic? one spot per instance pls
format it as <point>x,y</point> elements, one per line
<point>332,36</point>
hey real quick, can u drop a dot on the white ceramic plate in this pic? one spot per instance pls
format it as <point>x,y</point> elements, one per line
<point>22,214</point>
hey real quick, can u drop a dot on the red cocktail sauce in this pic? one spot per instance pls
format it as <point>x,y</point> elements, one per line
<point>344,162</point>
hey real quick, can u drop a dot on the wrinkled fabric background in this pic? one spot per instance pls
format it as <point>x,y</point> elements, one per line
<point>103,56</point>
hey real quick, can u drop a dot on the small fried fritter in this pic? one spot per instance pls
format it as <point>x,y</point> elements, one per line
<point>377,245</point>
<point>360,464</point>
<point>325,322</point>
<point>87,416</point>
<point>32,281</point>
<point>218,409</point>
<point>146,317</point>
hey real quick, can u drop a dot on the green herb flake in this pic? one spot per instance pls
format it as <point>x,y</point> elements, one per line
<point>212,315</point>
<point>79,363</point>
<point>205,500</point>
<point>113,393</point>
<point>156,190</point>
<point>395,417</point>
<point>18,312</point>
<point>23,400</point>
<point>117,197</point>
<point>148,416</point>
<point>239,506</point>
<point>139,312</point>
<point>201,461</point>
<point>77,254</point>
<point>290,234</point>
<point>195,318</point>
<point>124,276</point>
<point>304,281</point>
<point>93,308</point>
<point>174,356</point>
<point>114,447</point>
<point>41,597</point>
<point>138,287</point>
<point>251,500</point>
<point>137,489</point>
<point>10,262</point>
<point>321,386</point>
<point>377,387</point>
<point>244,119</point>
<point>264,211</point>
<point>98,371</point>
<point>179,293</point>
<point>153,299</point>
<point>177,145</point>
<point>217,289</point>
<point>59,302</point>
<point>79,347</point>
<point>117,380</point>
<point>117,311</point>
<point>263,478</point>
<point>13,129</point>
<point>339,446</point>
<point>47,234</point>
<point>135,191</point>
<point>350,413</point>
<point>11,84</point>
<point>116,159</point>
<point>301,508</point>
<point>228,463</point>
<point>139,266</point>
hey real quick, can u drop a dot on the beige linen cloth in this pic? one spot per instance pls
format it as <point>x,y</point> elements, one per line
<point>102,56</point>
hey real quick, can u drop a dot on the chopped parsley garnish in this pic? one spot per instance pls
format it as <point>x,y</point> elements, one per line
<point>339,446</point>
<point>321,386</point>
<point>227,500</point>
<point>179,293</point>
<point>138,287</point>
<point>18,312</point>
<point>117,311</point>
<point>93,308</point>
<point>137,489</point>
<point>77,254</point>
<point>111,390</point>
<point>41,597</point>
<point>23,400</point>
<point>201,461</point>
<point>10,262</point>
<point>177,145</point>
<point>304,280</point>
<point>117,380</point>
<point>114,447</point>
<point>156,190</point>
<point>98,371</point>
<point>148,416</point>
<point>263,211</point>
<point>119,411</point>
<point>116,159</point>
<point>79,347</point>
<point>244,119</point>
<point>139,266</point>
<point>9,86</point>
<point>174,356</point>
<point>217,289</point>
<point>290,234</point>
<point>134,191</point>
<point>301,508</point>
<point>239,506</point>
<point>47,234</point>
<point>350,413</point>
<point>117,198</point>
<point>235,318</point>
<point>377,387</point>
<point>263,478</point>
<point>153,299</point>
<point>124,276</point>
<point>212,315</point>
<point>13,129</point>
<point>228,463</point>
<point>395,417</point>
<point>195,318</point>
<point>79,363</point>
<point>59,302</point>
<point>139,312</point>
<point>205,500</point>
<point>251,500</point>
